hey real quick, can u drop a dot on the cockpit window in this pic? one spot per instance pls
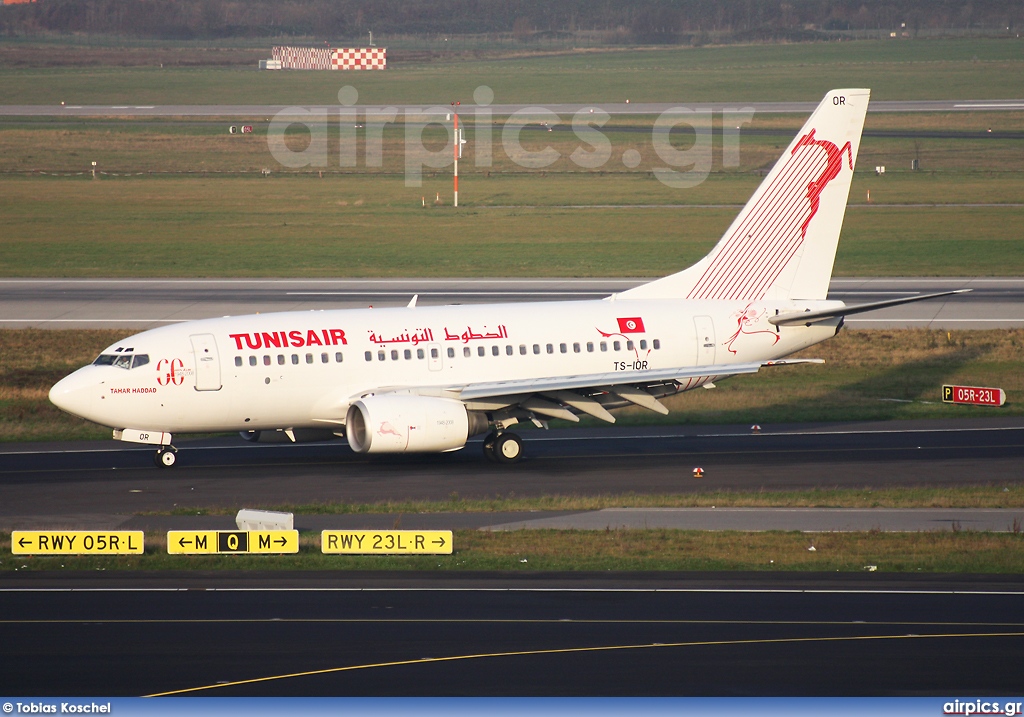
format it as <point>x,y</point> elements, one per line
<point>125,361</point>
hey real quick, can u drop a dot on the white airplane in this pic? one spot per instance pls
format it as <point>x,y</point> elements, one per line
<point>428,378</point>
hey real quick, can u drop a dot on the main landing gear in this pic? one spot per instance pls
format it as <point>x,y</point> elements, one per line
<point>165,456</point>
<point>503,447</point>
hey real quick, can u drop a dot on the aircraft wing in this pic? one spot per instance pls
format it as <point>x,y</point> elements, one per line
<point>615,378</point>
<point>593,394</point>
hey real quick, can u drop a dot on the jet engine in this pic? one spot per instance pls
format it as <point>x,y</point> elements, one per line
<point>407,424</point>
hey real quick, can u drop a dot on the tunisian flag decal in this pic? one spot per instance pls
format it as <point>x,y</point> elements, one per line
<point>631,325</point>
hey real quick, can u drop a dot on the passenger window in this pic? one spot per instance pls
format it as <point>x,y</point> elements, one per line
<point>451,352</point>
<point>550,348</point>
<point>617,345</point>
<point>338,358</point>
<point>238,360</point>
<point>480,351</point>
<point>252,360</point>
<point>408,354</point>
<point>280,359</point>
<point>604,345</point>
<point>381,355</point>
<point>466,351</point>
<point>295,358</point>
<point>140,360</point>
<point>643,344</point>
<point>657,343</point>
<point>309,358</point>
<point>536,348</point>
<point>629,346</point>
<point>522,349</point>
<point>266,359</point>
<point>433,353</point>
<point>590,347</point>
<point>368,355</point>
<point>576,348</point>
<point>394,354</point>
<point>508,350</point>
<point>420,354</point>
<point>324,358</point>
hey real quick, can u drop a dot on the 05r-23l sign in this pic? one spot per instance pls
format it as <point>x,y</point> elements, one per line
<point>975,395</point>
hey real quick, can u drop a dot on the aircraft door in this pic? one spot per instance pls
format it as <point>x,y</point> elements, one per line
<point>705,340</point>
<point>434,362</point>
<point>204,346</point>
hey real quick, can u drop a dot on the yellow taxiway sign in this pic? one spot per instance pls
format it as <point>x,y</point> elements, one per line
<point>213,542</point>
<point>386,542</point>
<point>77,542</point>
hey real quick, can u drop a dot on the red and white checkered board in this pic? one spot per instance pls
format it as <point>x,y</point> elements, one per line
<point>359,58</point>
<point>303,58</point>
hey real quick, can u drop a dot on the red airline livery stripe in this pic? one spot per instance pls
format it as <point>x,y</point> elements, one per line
<point>758,250</point>
<point>287,339</point>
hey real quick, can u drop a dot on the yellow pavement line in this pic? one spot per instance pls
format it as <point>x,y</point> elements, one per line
<point>566,650</point>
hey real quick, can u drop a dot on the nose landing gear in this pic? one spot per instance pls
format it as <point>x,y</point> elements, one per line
<point>165,456</point>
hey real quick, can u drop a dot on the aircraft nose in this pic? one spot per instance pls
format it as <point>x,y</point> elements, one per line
<point>78,394</point>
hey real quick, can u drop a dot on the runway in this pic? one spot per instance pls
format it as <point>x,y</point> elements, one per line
<point>612,108</point>
<point>371,634</point>
<point>108,481</point>
<point>139,304</point>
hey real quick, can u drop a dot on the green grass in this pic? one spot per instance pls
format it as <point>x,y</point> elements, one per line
<point>375,227</point>
<point>933,69</point>
<point>619,550</point>
<point>1010,495</point>
<point>863,374</point>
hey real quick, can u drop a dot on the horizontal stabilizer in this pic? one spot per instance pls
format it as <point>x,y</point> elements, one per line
<point>811,317</point>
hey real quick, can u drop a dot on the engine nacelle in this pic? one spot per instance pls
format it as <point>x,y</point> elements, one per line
<point>409,424</point>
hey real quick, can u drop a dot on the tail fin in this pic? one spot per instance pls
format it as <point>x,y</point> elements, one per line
<point>783,244</point>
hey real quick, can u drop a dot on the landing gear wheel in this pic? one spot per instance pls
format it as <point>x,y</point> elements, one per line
<point>165,456</point>
<point>489,442</point>
<point>508,448</point>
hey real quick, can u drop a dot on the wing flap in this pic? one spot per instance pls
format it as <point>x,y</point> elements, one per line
<point>611,380</point>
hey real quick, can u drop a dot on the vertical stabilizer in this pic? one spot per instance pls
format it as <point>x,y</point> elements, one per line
<point>783,244</point>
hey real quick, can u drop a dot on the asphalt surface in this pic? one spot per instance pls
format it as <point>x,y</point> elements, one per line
<point>511,635</point>
<point>106,481</point>
<point>994,302</point>
<point>515,634</point>
<point>614,108</point>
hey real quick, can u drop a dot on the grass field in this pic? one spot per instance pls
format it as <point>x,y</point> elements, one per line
<point>897,70</point>
<point>648,550</point>
<point>995,495</point>
<point>186,198</point>
<point>868,375</point>
<point>360,226</point>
